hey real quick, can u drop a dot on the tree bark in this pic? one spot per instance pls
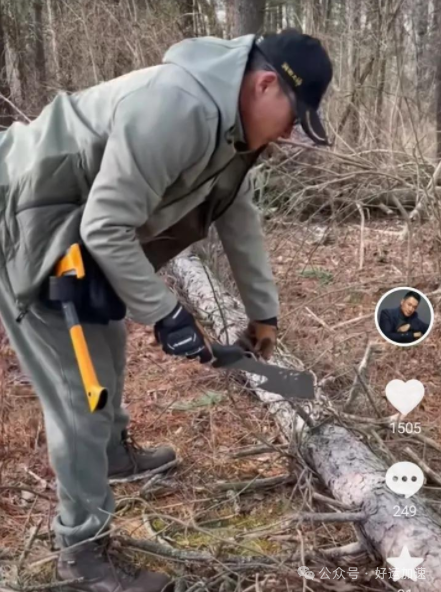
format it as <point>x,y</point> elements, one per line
<point>196,281</point>
<point>356,477</point>
<point>309,17</point>
<point>318,17</point>
<point>18,15</point>
<point>382,56</point>
<point>6,117</point>
<point>298,14</point>
<point>280,15</point>
<point>328,14</point>
<point>438,107</point>
<point>209,10</point>
<point>246,16</point>
<point>54,39</point>
<point>40,56</point>
<point>354,474</point>
<point>367,70</point>
<point>187,10</point>
<point>421,25</point>
<point>354,22</point>
<point>437,53</point>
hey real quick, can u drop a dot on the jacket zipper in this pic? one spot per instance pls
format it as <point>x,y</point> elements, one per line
<point>237,187</point>
<point>22,315</point>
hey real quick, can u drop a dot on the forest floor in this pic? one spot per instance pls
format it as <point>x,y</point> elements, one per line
<point>327,320</point>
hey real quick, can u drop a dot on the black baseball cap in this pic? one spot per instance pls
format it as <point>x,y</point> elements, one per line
<point>303,63</point>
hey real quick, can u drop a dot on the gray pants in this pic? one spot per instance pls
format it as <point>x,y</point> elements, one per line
<point>79,442</point>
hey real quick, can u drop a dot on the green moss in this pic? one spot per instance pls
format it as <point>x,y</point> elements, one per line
<point>158,524</point>
<point>230,528</point>
<point>323,275</point>
<point>221,525</point>
<point>355,297</point>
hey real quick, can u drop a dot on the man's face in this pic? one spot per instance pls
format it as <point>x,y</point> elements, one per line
<point>409,306</point>
<point>266,111</point>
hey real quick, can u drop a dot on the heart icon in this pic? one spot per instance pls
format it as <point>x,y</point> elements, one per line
<point>405,396</point>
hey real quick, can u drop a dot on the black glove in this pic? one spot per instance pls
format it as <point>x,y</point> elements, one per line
<point>181,335</point>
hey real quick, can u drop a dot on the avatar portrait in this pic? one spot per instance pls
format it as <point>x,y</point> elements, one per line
<point>404,316</point>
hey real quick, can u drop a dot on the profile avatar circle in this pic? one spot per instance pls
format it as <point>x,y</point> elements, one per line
<point>404,316</point>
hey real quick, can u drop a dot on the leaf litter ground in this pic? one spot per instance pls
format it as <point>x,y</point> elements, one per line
<point>208,421</point>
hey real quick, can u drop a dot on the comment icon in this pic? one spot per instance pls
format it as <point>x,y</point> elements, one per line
<point>405,478</point>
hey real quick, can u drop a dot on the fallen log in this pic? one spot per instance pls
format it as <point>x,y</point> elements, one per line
<point>347,466</point>
<point>227,318</point>
<point>356,477</point>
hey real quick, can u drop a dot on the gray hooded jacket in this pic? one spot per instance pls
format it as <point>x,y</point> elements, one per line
<point>137,168</point>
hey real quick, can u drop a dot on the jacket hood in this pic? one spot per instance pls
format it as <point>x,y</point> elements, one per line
<point>218,65</point>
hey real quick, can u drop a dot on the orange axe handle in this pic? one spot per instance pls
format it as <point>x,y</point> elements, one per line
<point>96,394</point>
<point>72,264</point>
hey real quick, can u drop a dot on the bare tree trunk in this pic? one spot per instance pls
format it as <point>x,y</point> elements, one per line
<point>438,107</point>
<point>318,17</point>
<point>381,87</point>
<point>280,17</point>
<point>328,14</point>
<point>270,20</point>
<point>6,117</point>
<point>421,24</point>
<point>40,56</point>
<point>354,22</point>
<point>17,49</point>
<point>382,55</point>
<point>187,9</point>
<point>309,17</point>
<point>214,26</point>
<point>437,53</point>
<point>297,12</point>
<point>199,23</point>
<point>247,16</point>
<point>54,39</point>
<point>367,70</point>
<point>399,37</point>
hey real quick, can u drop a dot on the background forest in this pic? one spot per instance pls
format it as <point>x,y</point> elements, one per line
<point>386,91</point>
<point>343,224</point>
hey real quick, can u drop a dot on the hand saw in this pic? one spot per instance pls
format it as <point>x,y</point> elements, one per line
<point>290,384</point>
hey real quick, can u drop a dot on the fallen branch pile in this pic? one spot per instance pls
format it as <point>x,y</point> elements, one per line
<point>301,179</point>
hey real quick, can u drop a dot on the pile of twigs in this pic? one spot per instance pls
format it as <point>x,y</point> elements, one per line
<point>299,180</point>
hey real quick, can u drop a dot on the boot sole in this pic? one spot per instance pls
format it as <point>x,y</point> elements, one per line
<point>145,475</point>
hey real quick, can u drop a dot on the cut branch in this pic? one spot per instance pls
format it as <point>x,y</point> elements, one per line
<point>424,466</point>
<point>361,372</point>
<point>255,484</point>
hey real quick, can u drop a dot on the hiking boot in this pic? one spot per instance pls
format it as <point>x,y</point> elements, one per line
<point>91,564</point>
<point>130,461</point>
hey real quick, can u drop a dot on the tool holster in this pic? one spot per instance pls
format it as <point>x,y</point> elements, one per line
<point>95,300</point>
<point>81,291</point>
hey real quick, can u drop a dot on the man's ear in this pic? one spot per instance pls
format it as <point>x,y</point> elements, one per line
<point>265,80</point>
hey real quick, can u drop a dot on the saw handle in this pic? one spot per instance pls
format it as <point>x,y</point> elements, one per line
<point>225,355</point>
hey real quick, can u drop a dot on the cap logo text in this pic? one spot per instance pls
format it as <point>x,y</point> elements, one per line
<point>294,77</point>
